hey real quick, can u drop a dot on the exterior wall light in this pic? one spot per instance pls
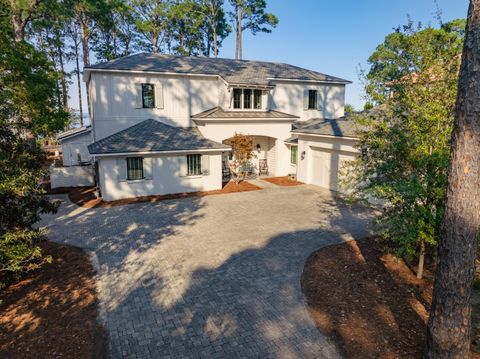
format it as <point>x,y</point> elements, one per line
<point>258,147</point>
<point>302,155</point>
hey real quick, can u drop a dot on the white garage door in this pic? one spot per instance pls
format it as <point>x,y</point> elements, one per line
<point>325,166</point>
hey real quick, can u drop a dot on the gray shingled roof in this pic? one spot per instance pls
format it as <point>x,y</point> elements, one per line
<point>341,127</point>
<point>234,72</point>
<point>292,140</point>
<point>153,136</point>
<point>73,132</point>
<point>218,112</point>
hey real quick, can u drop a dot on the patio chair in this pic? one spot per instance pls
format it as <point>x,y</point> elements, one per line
<point>226,173</point>
<point>262,167</point>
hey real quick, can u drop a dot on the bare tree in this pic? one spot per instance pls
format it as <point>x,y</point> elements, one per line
<point>449,326</point>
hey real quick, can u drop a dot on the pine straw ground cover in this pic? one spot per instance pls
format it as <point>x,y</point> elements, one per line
<point>53,311</point>
<point>85,197</point>
<point>282,181</point>
<point>371,303</point>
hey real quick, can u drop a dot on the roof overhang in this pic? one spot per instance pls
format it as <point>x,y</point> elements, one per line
<point>323,82</point>
<point>61,138</point>
<point>88,70</point>
<point>243,119</point>
<point>325,136</point>
<point>174,152</point>
<point>250,86</point>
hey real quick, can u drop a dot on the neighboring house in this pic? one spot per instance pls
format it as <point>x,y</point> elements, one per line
<point>74,145</point>
<point>161,123</point>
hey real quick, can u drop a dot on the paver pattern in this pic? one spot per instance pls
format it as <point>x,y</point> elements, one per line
<point>211,277</point>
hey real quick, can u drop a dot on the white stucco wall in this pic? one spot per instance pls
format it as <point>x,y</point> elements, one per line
<point>73,146</point>
<point>114,98</point>
<point>74,176</point>
<point>278,131</point>
<point>165,178</point>
<point>288,97</point>
<point>340,149</point>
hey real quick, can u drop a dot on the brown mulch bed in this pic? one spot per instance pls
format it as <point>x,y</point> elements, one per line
<point>371,303</point>
<point>282,181</point>
<point>85,197</point>
<point>52,312</point>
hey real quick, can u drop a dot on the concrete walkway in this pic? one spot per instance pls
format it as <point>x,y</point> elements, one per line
<point>211,277</point>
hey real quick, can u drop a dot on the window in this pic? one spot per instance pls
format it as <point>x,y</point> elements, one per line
<point>148,96</point>
<point>293,155</point>
<point>237,98</point>
<point>257,99</point>
<point>134,168</point>
<point>194,165</point>
<point>247,99</point>
<point>312,99</point>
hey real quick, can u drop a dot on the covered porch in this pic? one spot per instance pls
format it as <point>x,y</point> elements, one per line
<point>268,129</point>
<point>264,156</point>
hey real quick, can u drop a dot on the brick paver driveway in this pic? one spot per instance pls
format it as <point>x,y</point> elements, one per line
<point>217,276</point>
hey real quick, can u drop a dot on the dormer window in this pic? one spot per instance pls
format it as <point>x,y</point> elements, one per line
<point>247,99</point>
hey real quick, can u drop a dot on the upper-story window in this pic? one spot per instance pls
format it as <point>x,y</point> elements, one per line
<point>148,96</point>
<point>247,99</point>
<point>312,99</point>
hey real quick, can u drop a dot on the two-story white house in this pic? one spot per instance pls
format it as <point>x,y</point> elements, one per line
<point>161,123</point>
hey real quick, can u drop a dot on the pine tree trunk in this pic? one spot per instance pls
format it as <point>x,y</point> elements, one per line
<point>18,28</point>
<point>215,48</point>
<point>63,80</point>
<point>155,43</point>
<point>449,326</point>
<point>84,36</point>
<point>238,33</point>
<point>79,83</point>
<point>421,260</point>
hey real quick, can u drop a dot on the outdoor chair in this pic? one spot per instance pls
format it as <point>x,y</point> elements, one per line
<point>262,167</point>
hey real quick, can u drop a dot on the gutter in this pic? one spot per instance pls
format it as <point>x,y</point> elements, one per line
<point>87,70</point>
<point>337,82</point>
<point>117,154</point>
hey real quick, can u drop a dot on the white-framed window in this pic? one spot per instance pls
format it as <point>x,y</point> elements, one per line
<point>293,154</point>
<point>247,99</point>
<point>148,95</point>
<point>135,168</point>
<point>194,165</point>
<point>312,99</point>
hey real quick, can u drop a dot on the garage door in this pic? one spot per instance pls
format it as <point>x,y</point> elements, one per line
<point>325,166</point>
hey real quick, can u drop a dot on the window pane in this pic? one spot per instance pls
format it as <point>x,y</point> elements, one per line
<point>237,98</point>
<point>134,168</point>
<point>247,98</point>
<point>312,99</point>
<point>257,99</point>
<point>293,155</point>
<point>194,165</point>
<point>148,96</point>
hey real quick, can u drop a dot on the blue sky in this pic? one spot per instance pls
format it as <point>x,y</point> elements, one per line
<point>333,36</point>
